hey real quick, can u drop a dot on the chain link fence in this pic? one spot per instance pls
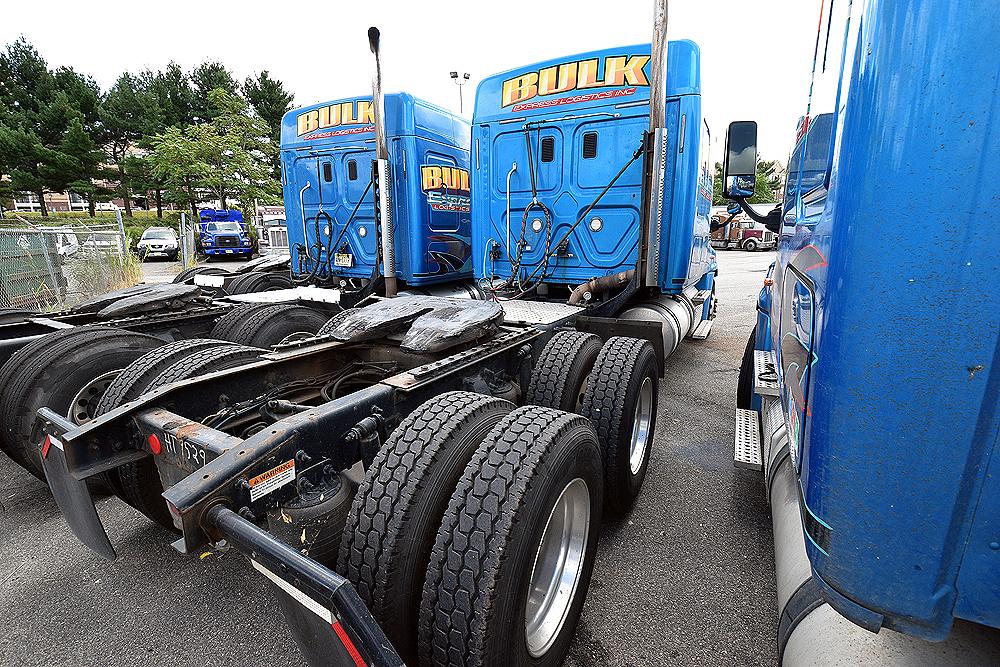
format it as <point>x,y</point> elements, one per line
<point>56,266</point>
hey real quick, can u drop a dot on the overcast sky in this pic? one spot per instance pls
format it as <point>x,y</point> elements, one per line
<point>756,55</point>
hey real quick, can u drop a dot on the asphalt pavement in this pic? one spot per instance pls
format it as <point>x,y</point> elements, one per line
<point>686,579</point>
<point>161,271</point>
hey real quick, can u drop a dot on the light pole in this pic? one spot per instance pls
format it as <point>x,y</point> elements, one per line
<point>461,81</point>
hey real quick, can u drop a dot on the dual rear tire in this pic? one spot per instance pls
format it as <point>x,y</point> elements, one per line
<point>474,532</point>
<point>66,371</point>
<point>138,483</point>
<point>266,325</point>
<point>614,385</point>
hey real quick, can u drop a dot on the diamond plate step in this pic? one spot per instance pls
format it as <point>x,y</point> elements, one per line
<point>702,330</point>
<point>765,373</point>
<point>537,312</point>
<point>747,450</point>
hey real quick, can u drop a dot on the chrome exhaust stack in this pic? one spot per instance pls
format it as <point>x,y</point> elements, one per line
<point>649,233</point>
<point>380,176</point>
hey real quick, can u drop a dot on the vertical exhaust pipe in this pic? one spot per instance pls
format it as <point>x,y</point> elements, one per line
<point>658,66</point>
<point>649,233</point>
<point>381,175</point>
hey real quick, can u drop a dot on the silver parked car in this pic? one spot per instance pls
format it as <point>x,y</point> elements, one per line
<point>159,242</point>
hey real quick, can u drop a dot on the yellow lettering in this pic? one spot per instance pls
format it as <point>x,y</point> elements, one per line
<point>366,112</point>
<point>519,88</point>
<point>347,113</point>
<point>307,122</point>
<point>430,177</point>
<point>618,72</point>
<point>557,79</point>
<point>587,74</point>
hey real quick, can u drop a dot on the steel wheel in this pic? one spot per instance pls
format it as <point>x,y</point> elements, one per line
<point>557,567</point>
<point>84,405</point>
<point>640,426</point>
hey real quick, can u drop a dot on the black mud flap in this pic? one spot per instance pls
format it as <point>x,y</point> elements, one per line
<point>74,499</point>
<point>329,621</point>
<point>320,638</point>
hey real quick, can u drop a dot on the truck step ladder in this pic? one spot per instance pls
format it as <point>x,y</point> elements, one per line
<point>747,450</point>
<point>702,296</point>
<point>702,330</point>
<point>765,373</point>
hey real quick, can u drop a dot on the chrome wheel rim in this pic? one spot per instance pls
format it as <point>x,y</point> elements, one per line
<point>555,574</point>
<point>640,426</point>
<point>81,409</point>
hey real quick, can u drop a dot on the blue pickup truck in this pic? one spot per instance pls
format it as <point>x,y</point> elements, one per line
<point>222,232</point>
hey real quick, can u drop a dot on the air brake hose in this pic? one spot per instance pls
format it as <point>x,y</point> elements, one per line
<point>635,156</point>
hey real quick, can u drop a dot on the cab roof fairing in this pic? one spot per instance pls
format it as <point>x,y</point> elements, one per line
<point>683,78</point>
<point>405,115</point>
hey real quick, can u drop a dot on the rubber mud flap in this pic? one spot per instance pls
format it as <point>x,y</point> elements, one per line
<point>74,501</point>
<point>319,642</point>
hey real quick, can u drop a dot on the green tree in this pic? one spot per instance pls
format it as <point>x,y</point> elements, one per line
<point>49,125</point>
<point>27,91</point>
<point>26,83</point>
<point>767,188</point>
<point>82,163</point>
<point>176,157</point>
<point>225,159</point>
<point>83,95</point>
<point>128,113</point>
<point>174,97</point>
<point>269,99</point>
<point>246,152</point>
<point>6,195</point>
<point>205,78</point>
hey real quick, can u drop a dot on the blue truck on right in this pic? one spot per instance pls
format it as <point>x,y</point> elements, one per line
<point>868,390</point>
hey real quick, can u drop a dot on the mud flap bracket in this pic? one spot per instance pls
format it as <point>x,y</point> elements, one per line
<point>72,495</point>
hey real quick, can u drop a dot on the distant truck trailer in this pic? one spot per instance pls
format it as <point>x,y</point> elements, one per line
<point>740,233</point>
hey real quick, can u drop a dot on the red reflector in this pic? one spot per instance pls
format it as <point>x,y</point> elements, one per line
<point>348,644</point>
<point>45,446</point>
<point>154,444</point>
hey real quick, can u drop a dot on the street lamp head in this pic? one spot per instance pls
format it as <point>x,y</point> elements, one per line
<point>454,75</point>
<point>466,76</point>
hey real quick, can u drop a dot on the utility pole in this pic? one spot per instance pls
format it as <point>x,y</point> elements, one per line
<point>461,81</point>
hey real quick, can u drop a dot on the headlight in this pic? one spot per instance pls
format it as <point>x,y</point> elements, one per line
<point>246,243</point>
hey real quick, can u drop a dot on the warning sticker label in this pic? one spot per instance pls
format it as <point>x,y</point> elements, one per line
<point>275,478</point>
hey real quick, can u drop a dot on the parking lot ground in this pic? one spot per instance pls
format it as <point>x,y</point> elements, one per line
<point>162,271</point>
<point>686,579</point>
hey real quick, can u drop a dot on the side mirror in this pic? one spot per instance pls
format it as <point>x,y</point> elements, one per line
<point>740,168</point>
<point>734,208</point>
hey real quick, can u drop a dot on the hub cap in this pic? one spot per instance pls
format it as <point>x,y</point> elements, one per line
<point>640,425</point>
<point>557,567</point>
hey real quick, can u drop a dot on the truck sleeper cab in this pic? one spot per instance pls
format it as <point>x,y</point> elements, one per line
<point>559,154</point>
<point>326,161</point>
<point>869,388</point>
<point>561,145</point>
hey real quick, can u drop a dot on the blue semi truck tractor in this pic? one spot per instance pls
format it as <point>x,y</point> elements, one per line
<point>379,472</point>
<point>332,195</point>
<point>868,391</point>
<point>592,188</point>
